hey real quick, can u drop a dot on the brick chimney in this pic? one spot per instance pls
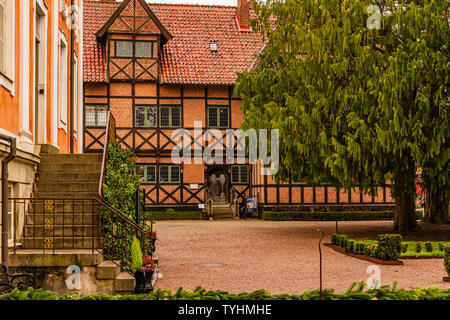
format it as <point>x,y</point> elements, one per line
<point>243,15</point>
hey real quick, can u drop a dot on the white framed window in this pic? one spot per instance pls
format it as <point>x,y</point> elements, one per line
<point>7,48</point>
<point>74,95</point>
<point>63,58</point>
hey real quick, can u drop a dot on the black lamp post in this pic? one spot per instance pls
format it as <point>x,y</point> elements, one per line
<point>320,257</point>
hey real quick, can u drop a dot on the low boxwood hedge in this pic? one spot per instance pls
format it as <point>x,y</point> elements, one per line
<point>176,215</point>
<point>330,216</point>
<point>389,247</point>
<point>447,258</point>
<point>355,292</point>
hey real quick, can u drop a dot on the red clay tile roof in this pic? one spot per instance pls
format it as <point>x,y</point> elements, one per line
<point>187,58</point>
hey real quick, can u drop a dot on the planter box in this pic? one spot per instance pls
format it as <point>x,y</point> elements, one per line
<point>421,257</point>
<point>364,257</point>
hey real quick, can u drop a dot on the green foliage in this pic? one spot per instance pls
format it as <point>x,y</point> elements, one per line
<point>355,292</point>
<point>329,216</point>
<point>418,247</point>
<point>334,238</point>
<point>170,211</point>
<point>136,255</point>
<point>428,246</point>
<point>354,106</point>
<point>447,258</point>
<point>389,246</point>
<point>176,215</point>
<point>404,247</point>
<point>350,246</point>
<point>122,181</point>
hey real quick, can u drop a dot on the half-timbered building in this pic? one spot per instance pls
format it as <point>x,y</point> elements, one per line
<point>159,68</point>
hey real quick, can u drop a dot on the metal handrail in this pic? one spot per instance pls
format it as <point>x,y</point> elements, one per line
<point>91,207</point>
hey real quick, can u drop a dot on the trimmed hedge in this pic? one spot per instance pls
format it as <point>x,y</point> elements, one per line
<point>355,292</point>
<point>447,258</point>
<point>330,216</point>
<point>391,247</point>
<point>176,215</point>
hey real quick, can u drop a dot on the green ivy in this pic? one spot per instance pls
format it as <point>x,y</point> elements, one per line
<point>122,181</point>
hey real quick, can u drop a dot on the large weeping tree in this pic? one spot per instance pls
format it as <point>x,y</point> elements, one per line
<point>355,105</point>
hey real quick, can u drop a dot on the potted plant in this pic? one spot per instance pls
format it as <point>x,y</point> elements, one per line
<point>142,272</point>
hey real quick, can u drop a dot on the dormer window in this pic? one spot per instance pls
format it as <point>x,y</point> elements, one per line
<point>124,49</point>
<point>144,49</point>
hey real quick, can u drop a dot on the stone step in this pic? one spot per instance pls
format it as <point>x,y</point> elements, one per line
<point>61,158</point>
<point>61,243</point>
<point>66,219</point>
<point>69,206</point>
<point>40,230</point>
<point>124,283</point>
<point>60,258</point>
<point>107,270</point>
<point>47,176</point>
<point>53,195</point>
<point>70,167</point>
<point>66,186</point>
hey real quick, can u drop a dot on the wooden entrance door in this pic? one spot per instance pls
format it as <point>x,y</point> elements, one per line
<point>218,184</point>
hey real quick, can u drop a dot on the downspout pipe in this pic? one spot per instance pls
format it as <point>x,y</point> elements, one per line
<point>8,159</point>
<point>72,78</point>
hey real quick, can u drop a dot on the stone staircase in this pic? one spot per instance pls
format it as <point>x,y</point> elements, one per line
<point>222,211</point>
<point>54,223</point>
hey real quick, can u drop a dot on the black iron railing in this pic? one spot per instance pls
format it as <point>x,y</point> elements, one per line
<point>51,224</point>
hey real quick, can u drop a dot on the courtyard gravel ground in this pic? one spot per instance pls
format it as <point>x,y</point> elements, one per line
<point>280,256</point>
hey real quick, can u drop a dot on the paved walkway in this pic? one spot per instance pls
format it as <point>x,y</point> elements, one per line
<point>281,257</point>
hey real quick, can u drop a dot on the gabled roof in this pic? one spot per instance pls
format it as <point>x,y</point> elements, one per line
<point>187,57</point>
<point>166,34</point>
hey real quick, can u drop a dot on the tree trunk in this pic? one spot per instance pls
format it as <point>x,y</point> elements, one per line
<point>405,204</point>
<point>436,206</point>
<point>405,214</point>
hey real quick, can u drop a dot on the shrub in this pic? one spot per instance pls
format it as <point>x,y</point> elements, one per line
<point>334,238</point>
<point>447,258</point>
<point>374,252</point>
<point>122,181</point>
<point>136,255</point>
<point>404,247</point>
<point>389,246</point>
<point>418,247</point>
<point>428,246</point>
<point>343,241</point>
<point>360,247</point>
<point>170,211</point>
<point>367,248</point>
<point>350,246</point>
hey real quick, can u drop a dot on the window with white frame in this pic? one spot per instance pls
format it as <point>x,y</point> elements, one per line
<point>95,115</point>
<point>63,53</point>
<point>7,54</point>
<point>74,95</point>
